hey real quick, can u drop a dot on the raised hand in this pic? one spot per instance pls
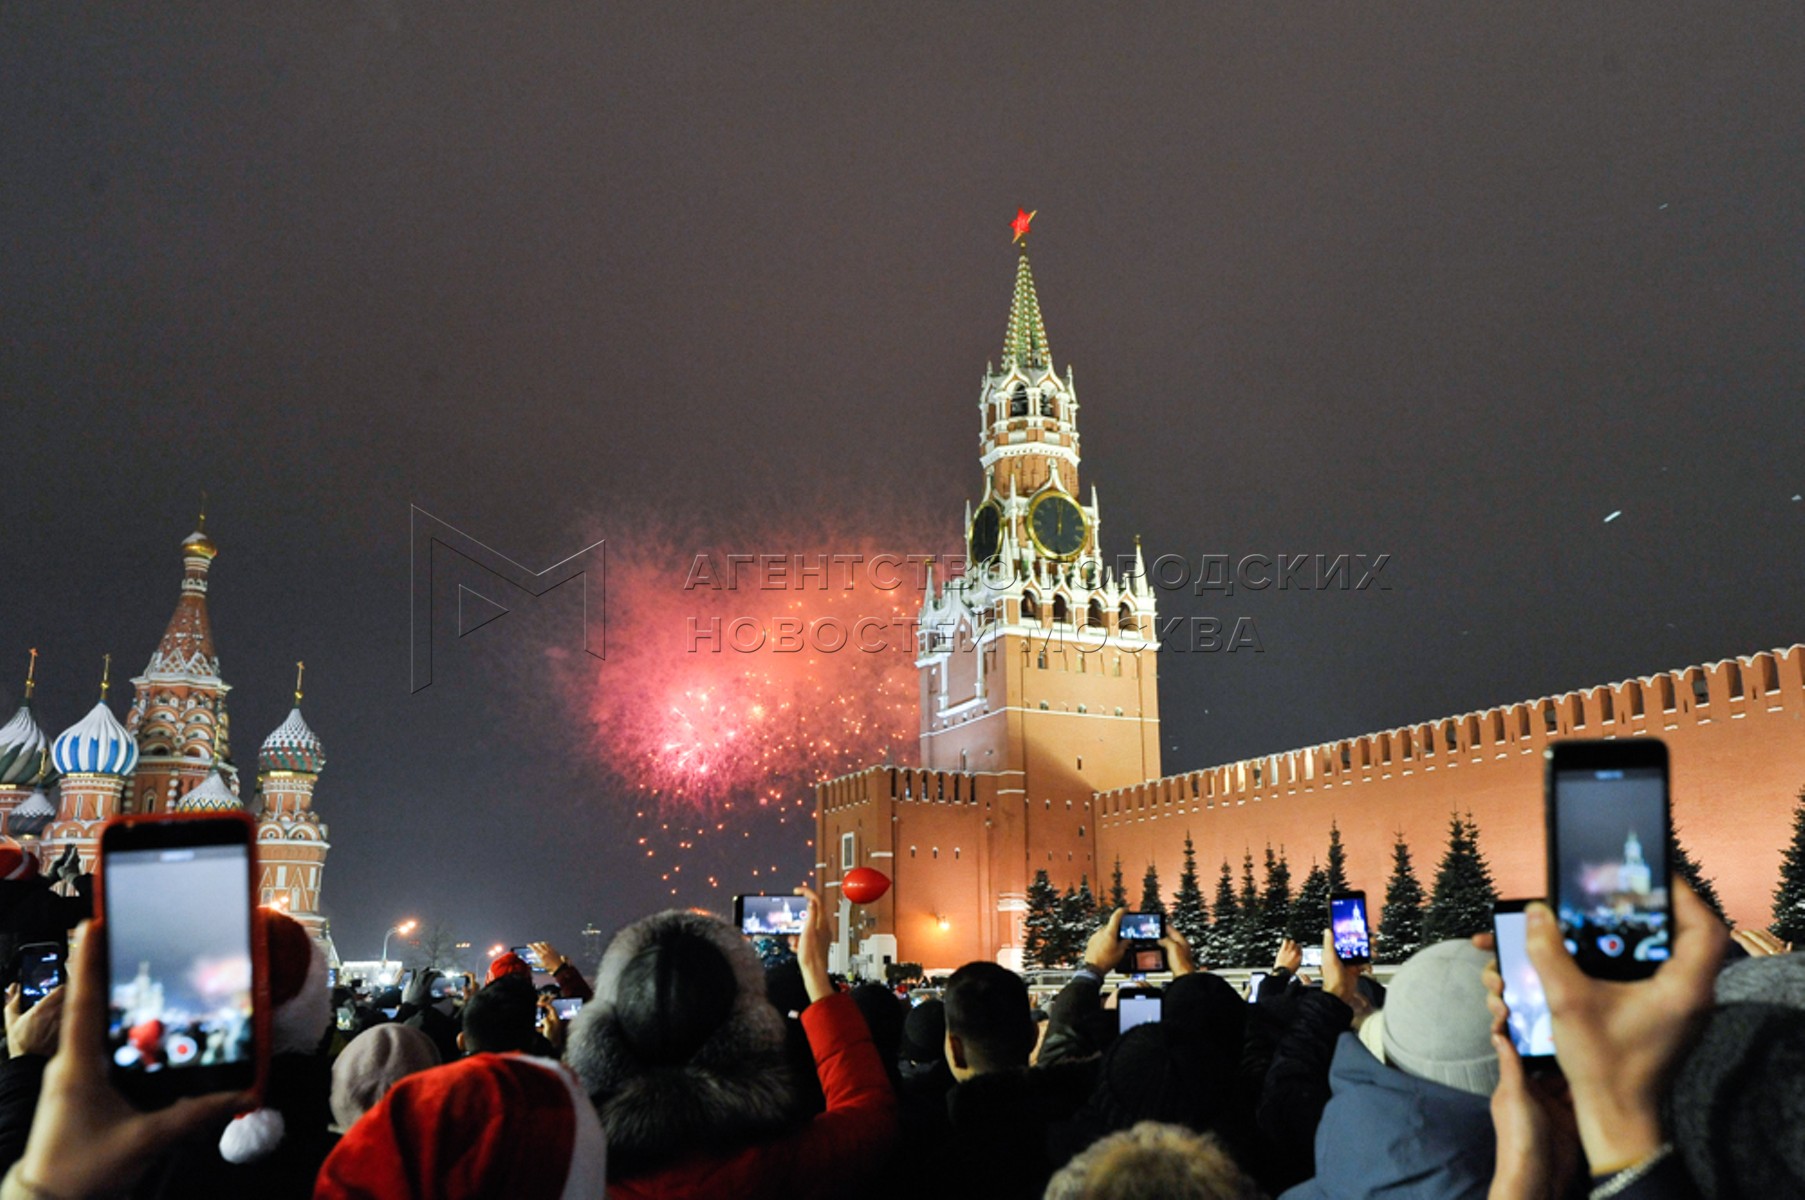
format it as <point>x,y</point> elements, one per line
<point>811,948</point>
<point>1105,949</point>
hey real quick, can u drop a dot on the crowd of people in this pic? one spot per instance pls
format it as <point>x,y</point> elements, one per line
<point>696,1067</point>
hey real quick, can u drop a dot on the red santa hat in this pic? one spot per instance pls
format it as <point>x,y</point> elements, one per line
<point>508,964</point>
<point>300,1009</point>
<point>489,1125</point>
<point>16,862</point>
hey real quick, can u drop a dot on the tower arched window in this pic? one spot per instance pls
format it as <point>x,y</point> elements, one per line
<point>1047,402</point>
<point>1093,615</point>
<point>1125,621</point>
<point>1018,401</point>
<point>1062,612</point>
<point>1030,607</point>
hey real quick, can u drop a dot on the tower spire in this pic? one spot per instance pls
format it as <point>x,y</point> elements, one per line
<point>31,674</point>
<point>106,675</point>
<point>300,669</point>
<point>1025,342</point>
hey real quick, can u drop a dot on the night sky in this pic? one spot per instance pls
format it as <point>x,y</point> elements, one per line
<point>1452,285</point>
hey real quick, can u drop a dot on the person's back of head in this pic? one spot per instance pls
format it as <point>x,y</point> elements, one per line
<point>490,1125</point>
<point>988,1026</point>
<point>1152,1162</point>
<point>500,1018</point>
<point>372,1063</point>
<point>1435,1024</point>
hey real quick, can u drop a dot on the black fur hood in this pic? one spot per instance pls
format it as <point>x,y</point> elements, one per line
<point>735,1089</point>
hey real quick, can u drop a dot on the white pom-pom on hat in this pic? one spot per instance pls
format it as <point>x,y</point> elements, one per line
<point>252,1136</point>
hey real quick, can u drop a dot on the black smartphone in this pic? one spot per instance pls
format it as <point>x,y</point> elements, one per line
<point>186,1012</point>
<point>1254,980</point>
<point>40,971</point>
<point>1137,1006</point>
<point>1531,1030</point>
<point>568,1007</point>
<point>527,955</point>
<point>770,915</point>
<point>1607,854</point>
<point>1142,931</point>
<point>1347,925</point>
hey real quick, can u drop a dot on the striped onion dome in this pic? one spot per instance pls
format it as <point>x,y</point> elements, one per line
<point>97,744</point>
<point>212,795</point>
<point>21,746</point>
<point>292,747</point>
<point>36,812</point>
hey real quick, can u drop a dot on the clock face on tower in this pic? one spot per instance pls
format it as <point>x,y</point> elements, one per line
<point>1057,525</point>
<point>985,534</point>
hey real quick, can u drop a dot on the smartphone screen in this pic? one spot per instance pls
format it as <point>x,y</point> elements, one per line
<point>1312,956</point>
<point>567,1008</point>
<point>1254,980</point>
<point>1142,927</point>
<point>770,914</point>
<point>1607,845</point>
<point>1347,925</point>
<point>40,972</point>
<point>180,974</point>
<point>527,955</point>
<point>1137,1008</point>
<point>1531,1029</point>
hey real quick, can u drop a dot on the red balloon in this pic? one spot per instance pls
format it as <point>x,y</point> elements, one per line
<point>862,885</point>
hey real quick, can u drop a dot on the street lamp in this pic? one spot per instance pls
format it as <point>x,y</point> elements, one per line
<point>404,928</point>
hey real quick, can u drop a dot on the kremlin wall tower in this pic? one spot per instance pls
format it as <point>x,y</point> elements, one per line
<point>1040,745</point>
<point>171,754</point>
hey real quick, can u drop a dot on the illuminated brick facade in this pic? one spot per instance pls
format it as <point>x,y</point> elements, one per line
<point>1040,733</point>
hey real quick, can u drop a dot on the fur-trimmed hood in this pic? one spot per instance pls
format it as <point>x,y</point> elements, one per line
<point>736,1088</point>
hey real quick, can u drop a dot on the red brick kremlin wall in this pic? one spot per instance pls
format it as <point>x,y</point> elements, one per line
<point>1735,732</point>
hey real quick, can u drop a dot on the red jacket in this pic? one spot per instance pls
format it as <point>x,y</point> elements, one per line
<point>825,1156</point>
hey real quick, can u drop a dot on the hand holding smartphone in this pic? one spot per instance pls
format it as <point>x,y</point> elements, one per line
<point>186,1006</point>
<point>1528,1021</point>
<point>1143,931</point>
<point>1347,924</point>
<point>40,972</point>
<point>770,916</point>
<point>1608,873</point>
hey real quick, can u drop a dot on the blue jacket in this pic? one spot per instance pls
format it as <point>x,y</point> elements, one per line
<point>1388,1134</point>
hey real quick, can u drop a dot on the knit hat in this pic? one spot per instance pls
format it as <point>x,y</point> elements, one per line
<point>1208,1008</point>
<point>1437,1026</point>
<point>488,1125</point>
<point>300,1010</point>
<point>680,1047</point>
<point>1154,1072</point>
<point>1738,1103</point>
<point>1769,979</point>
<point>16,862</point>
<point>509,963</point>
<point>924,1033</point>
<point>372,1064</point>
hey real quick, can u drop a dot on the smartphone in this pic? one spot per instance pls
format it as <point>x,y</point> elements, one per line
<point>1254,980</point>
<point>567,1008</point>
<point>1312,956</point>
<point>1531,1029</point>
<point>1347,925</point>
<point>187,1005</point>
<point>1143,927</point>
<point>445,985</point>
<point>770,914</point>
<point>1137,1006</point>
<point>1607,854</point>
<point>331,977</point>
<point>40,971</point>
<point>527,955</point>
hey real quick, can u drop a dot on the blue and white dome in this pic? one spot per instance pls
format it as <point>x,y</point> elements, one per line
<point>21,747</point>
<point>212,795</point>
<point>292,747</point>
<point>97,745</point>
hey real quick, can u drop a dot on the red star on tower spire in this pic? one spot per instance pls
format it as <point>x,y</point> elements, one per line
<point>1020,224</point>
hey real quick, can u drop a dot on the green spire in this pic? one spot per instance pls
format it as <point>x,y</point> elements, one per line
<point>1025,344</point>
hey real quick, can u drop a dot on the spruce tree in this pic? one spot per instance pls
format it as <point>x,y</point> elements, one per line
<point>1461,904</point>
<point>1118,894</point>
<point>1400,932</point>
<point>1086,911</point>
<point>1789,894</point>
<point>1337,870</point>
<point>1275,900</point>
<point>1686,867</point>
<point>1251,948</point>
<point>1072,932</point>
<point>1311,911</point>
<point>1151,899</point>
<point>1225,930</point>
<point>1039,936</point>
<point>1190,913</point>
